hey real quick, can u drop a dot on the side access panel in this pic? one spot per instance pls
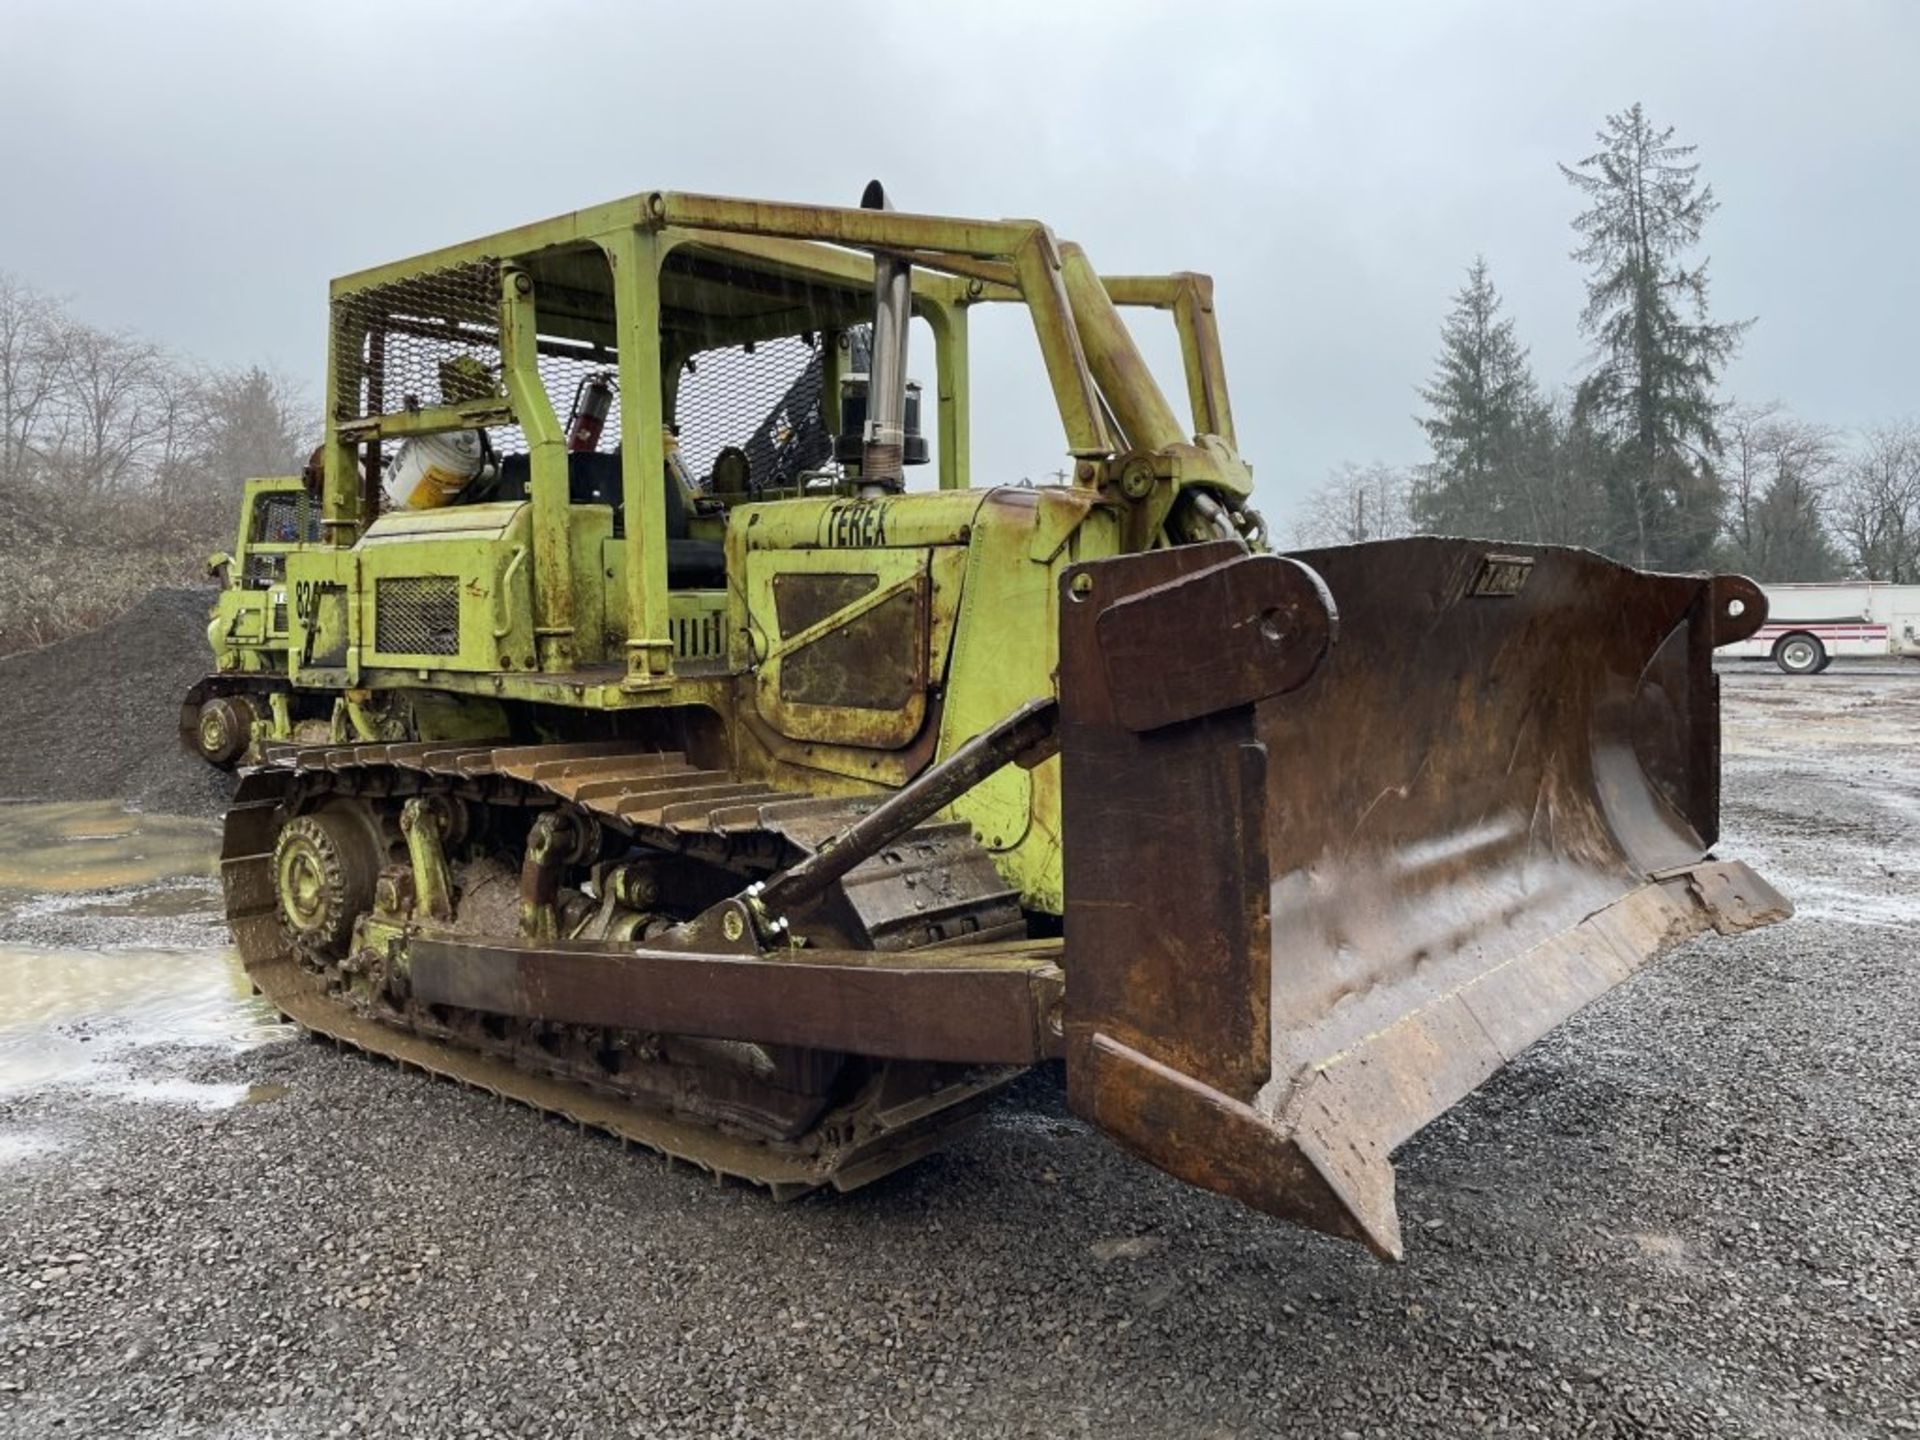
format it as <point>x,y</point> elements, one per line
<point>448,589</point>
<point>854,639</point>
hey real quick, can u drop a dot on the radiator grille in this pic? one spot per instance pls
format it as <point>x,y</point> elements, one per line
<point>700,637</point>
<point>417,615</point>
<point>263,572</point>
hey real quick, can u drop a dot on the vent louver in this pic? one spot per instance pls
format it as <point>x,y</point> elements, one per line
<point>417,615</point>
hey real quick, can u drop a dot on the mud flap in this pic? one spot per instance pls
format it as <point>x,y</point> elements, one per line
<point>1347,831</point>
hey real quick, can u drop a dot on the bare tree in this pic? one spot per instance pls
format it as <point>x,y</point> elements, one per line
<point>180,427</point>
<point>1357,502</point>
<point>108,410</point>
<point>33,340</point>
<point>119,463</point>
<point>1879,509</point>
<point>1779,474</point>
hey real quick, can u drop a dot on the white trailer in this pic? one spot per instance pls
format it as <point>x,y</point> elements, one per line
<point>1809,625</point>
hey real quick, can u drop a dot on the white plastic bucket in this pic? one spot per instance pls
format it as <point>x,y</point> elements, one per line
<point>431,470</point>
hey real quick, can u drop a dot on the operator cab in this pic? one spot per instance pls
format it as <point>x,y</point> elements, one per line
<point>768,417</point>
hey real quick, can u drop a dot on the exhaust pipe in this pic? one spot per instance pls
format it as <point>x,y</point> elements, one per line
<point>883,449</point>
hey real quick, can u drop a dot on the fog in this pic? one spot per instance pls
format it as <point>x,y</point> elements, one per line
<point>198,172</point>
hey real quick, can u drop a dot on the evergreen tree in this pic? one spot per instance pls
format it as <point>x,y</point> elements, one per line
<point>1481,403</point>
<point>1795,545</point>
<point>1558,476</point>
<point>1659,356</point>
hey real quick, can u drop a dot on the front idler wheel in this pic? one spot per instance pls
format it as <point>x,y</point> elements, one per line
<point>224,729</point>
<point>325,865</point>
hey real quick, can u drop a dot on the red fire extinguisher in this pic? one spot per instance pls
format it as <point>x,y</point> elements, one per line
<point>592,400</point>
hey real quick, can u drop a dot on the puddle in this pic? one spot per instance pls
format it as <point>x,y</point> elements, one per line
<point>163,900</point>
<point>164,1090</point>
<point>73,1017</point>
<point>99,845</point>
<point>76,1015</point>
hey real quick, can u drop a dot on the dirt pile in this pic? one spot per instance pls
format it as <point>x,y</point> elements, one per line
<point>97,717</point>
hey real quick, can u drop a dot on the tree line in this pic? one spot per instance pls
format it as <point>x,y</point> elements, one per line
<point>88,413</point>
<point>1641,458</point>
<point>121,463</point>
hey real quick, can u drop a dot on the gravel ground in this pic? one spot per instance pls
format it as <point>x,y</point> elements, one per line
<point>1690,1211</point>
<point>99,715</point>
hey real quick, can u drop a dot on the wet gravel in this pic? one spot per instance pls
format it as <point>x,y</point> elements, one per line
<point>1690,1211</point>
<point>98,716</point>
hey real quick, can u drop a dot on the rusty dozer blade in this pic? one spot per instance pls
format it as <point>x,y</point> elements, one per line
<point>1345,832</point>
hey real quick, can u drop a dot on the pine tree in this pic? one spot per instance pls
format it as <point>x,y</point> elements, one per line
<point>1481,402</point>
<point>1659,355</point>
<point>1557,477</point>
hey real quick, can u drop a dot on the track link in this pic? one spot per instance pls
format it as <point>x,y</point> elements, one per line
<point>936,886</point>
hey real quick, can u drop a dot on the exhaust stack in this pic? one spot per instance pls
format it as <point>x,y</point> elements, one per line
<point>883,451</point>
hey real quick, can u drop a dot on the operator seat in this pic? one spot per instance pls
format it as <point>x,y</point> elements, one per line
<point>593,478</point>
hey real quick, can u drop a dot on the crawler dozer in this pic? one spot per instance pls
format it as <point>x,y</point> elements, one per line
<point>620,733</point>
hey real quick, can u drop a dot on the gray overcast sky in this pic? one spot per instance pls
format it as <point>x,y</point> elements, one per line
<point>198,171</point>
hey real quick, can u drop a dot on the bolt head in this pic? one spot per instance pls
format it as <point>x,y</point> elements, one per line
<point>1136,482</point>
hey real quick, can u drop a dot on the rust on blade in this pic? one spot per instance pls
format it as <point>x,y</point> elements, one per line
<point>988,1005</point>
<point>1272,621</point>
<point>1166,816</point>
<point>1334,1184</point>
<point>1422,846</point>
<point>1735,898</point>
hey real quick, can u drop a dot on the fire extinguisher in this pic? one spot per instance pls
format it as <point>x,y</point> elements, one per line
<point>592,399</point>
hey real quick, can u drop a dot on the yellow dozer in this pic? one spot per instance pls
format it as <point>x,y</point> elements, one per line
<point>620,733</point>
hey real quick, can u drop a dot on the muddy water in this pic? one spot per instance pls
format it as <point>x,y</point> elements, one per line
<point>95,845</point>
<point>85,1008</point>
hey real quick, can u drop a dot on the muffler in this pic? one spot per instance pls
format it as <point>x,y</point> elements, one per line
<point>883,453</point>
